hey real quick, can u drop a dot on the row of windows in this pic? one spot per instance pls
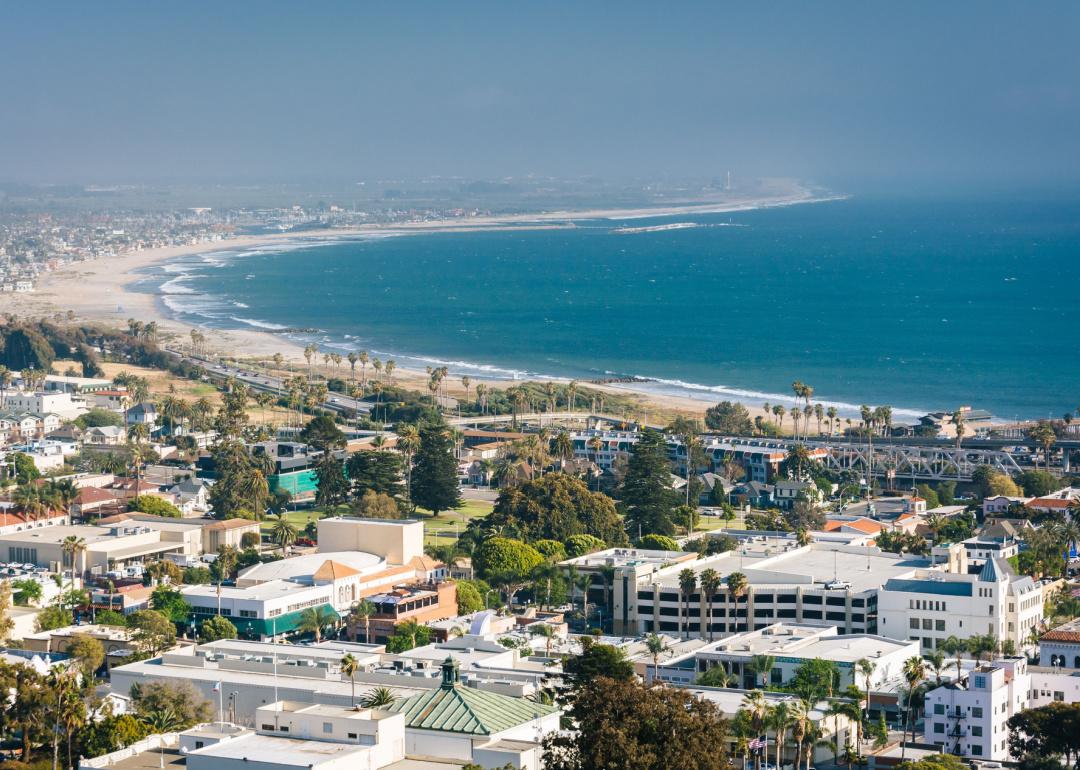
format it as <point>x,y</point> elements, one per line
<point>927,604</point>
<point>856,617</point>
<point>308,603</point>
<point>927,624</point>
<point>836,601</point>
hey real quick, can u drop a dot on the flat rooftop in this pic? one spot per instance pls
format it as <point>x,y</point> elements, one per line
<point>865,568</point>
<point>262,592</point>
<point>621,557</point>
<point>280,751</point>
<point>303,567</point>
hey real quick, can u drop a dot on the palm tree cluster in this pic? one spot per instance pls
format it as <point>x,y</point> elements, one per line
<point>38,500</point>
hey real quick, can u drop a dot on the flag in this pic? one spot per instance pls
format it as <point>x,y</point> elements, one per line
<point>758,743</point>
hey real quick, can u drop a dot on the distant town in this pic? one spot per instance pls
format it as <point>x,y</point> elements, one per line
<point>213,561</point>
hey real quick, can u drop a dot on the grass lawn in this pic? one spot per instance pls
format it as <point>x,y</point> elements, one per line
<point>440,530</point>
<point>437,530</point>
<point>298,519</point>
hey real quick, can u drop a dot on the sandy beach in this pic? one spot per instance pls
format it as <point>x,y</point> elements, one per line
<point>100,290</point>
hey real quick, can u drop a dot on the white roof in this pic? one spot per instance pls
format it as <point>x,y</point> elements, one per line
<point>299,568</point>
<point>281,752</point>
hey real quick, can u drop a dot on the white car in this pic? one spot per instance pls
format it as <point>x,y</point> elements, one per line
<point>833,585</point>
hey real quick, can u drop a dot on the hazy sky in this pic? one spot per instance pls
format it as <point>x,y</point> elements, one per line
<point>912,91</point>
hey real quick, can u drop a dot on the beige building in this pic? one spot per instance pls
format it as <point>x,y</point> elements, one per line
<point>395,540</point>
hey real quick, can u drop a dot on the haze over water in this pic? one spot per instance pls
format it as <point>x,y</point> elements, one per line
<point>928,304</point>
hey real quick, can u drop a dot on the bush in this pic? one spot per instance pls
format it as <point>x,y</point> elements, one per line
<point>550,549</point>
<point>658,543</point>
<point>53,617</point>
<point>154,506</point>
<point>579,545</point>
<point>215,628</point>
<point>99,418</point>
<point>250,540</point>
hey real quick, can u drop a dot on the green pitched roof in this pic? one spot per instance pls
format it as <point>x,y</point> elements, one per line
<point>458,709</point>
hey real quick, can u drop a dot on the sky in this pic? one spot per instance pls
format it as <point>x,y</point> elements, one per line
<point>875,93</point>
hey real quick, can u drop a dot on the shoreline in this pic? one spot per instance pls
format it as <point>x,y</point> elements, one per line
<point>103,290</point>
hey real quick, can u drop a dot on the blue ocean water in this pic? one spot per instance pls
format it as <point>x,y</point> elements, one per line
<point>913,303</point>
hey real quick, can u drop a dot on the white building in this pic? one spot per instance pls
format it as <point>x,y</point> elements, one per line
<point>968,718</point>
<point>55,402</point>
<point>790,646</point>
<point>930,605</point>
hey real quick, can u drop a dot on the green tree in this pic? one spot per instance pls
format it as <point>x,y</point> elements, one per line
<point>53,617</point>
<point>1038,483</point>
<point>730,418</point>
<point>88,654</point>
<point>378,698</point>
<point>557,506</point>
<point>469,599</point>
<point>929,495</point>
<point>323,433</point>
<point>332,488</point>
<point>349,666</point>
<point>111,733</point>
<point>216,627</point>
<point>187,705</point>
<point>500,555</point>
<point>171,603</point>
<point>596,661</point>
<point>552,550</point>
<point>621,723</point>
<point>151,631</point>
<point>377,472</point>
<point>646,494</point>
<point>407,636</point>
<point>435,473</point>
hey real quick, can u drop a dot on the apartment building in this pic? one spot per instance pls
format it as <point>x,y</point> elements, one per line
<point>967,718</point>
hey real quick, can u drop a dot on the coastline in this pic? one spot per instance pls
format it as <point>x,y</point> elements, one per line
<point>103,290</point>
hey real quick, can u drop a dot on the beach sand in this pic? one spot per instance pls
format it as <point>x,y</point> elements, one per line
<point>100,290</point>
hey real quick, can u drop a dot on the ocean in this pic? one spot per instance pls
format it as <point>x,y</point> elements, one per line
<point>919,304</point>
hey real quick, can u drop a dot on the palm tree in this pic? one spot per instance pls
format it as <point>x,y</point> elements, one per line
<point>314,619</point>
<point>762,664</point>
<point>936,662</point>
<point>687,585</point>
<point>74,547</point>
<point>914,674</point>
<point>757,708</point>
<point>800,727</point>
<point>831,413</point>
<point>283,532</point>
<point>564,447</point>
<point>349,666</point>
<point>362,610</point>
<point>866,668</point>
<point>546,631</point>
<point>779,411</point>
<point>656,645</point>
<point>955,647</point>
<point>737,586</point>
<point>710,584</point>
<point>780,717</point>
<point>1043,433</point>
<point>379,698</point>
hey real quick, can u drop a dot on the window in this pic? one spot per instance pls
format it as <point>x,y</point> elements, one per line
<point>939,727</point>
<point>352,736</point>
<point>980,682</point>
<point>928,643</point>
<point>812,614</point>
<point>939,708</point>
<point>976,750</point>
<point>834,616</point>
<point>1058,695</point>
<point>927,624</point>
<point>328,727</point>
<point>248,614</point>
<point>976,712</point>
<point>268,728</point>
<point>811,599</point>
<point>914,623</point>
<point>835,601</point>
<point>976,731</point>
<point>939,625</point>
